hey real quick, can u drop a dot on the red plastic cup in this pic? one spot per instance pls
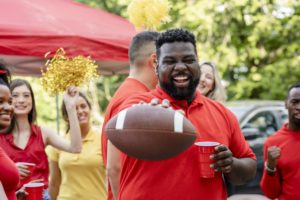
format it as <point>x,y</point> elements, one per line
<point>206,149</point>
<point>34,190</point>
<point>31,167</point>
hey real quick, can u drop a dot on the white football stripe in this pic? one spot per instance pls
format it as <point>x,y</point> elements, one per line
<point>121,119</point>
<point>178,122</point>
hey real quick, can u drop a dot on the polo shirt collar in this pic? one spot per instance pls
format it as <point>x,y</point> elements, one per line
<point>139,83</point>
<point>163,95</point>
<point>88,137</point>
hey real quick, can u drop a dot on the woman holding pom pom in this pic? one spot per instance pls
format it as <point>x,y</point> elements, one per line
<point>27,141</point>
<point>79,176</point>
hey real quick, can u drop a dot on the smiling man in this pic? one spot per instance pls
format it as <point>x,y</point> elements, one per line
<point>178,177</point>
<point>281,176</point>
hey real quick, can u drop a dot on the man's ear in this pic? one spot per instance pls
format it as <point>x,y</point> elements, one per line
<point>285,103</point>
<point>153,60</point>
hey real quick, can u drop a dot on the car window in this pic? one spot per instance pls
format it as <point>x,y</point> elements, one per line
<point>284,116</point>
<point>264,121</point>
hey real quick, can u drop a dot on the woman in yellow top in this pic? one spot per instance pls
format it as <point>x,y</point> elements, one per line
<point>79,176</point>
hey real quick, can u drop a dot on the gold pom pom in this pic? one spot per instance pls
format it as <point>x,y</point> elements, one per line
<point>148,14</point>
<point>62,72</point>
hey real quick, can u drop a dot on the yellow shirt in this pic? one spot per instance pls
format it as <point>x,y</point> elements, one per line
<point>82,175</point>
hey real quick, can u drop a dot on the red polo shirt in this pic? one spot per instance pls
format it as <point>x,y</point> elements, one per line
<point>34,152</point>
<point>178,177</point>
<point>9,175</point>
<point>128,88</point>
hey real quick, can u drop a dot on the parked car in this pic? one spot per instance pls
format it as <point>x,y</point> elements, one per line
<point>258,120</point>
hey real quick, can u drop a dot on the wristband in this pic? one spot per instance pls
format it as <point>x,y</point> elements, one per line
<point>269,169</point>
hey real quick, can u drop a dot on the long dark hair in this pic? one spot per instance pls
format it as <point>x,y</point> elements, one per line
<point>5,80</point>
<point>19,82</point>
<point>65,113</point>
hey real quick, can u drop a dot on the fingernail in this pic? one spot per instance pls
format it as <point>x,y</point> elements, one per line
<point>211,157</point>
<point>216,170</point>
<point>211,166</point>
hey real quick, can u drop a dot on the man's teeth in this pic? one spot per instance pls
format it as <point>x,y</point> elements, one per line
<point>180,78</point>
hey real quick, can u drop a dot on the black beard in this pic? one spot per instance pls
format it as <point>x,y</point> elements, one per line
<point>180,93</point>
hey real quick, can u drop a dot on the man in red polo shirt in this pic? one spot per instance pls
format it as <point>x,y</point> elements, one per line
<point>178,177</point>
<point>281,176</point>
<point>141,78</point>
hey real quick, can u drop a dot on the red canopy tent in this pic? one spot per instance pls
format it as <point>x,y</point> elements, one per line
<point>30,28</point>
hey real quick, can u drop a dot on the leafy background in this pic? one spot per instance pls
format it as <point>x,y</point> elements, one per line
<point>255,44</point>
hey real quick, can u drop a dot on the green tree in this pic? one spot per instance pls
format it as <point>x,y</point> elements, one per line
<point>255,43</point>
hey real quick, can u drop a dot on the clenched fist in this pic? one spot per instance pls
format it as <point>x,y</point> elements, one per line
<point>273,155</point>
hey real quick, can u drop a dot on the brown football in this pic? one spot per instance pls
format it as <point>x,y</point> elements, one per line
<point>150,132</point>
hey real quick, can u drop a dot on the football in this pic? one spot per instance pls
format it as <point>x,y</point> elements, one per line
<point>150,132</point>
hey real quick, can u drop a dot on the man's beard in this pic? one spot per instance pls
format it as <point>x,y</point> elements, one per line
<point>180,93</point>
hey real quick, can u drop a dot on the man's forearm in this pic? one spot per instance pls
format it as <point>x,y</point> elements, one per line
<point>243,170</point>
<point>114,179</point>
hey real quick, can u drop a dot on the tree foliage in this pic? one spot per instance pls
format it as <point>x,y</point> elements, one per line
<point>255,43</point>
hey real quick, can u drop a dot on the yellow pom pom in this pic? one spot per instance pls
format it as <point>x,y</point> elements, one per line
<point>62,72</point>
<point>148,13</point>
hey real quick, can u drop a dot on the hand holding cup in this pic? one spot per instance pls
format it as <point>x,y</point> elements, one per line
<point>26,171</point>
<point>223,159</point>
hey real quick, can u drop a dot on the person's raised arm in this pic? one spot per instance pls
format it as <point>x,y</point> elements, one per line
<point>270,183</point>
<point>52,138</point>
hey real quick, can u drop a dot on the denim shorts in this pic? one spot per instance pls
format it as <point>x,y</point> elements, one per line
<point>46,195</point>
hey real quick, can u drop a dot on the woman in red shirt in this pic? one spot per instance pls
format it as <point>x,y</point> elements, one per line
<point>9,175</point>
<point>27,141</point>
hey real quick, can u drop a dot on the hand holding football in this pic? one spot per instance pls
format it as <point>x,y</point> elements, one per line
<point>150,132</point>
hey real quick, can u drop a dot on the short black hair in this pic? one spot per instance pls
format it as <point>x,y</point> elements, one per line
<point>296,85</point>
<point>175,35</point>
<point>139,41</point>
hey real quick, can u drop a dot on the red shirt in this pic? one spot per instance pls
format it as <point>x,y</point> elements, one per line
<point>9,175</point>
<point>284,185</point>
<point>128,88</point>
<point>178,177</point>
<point>34,152</point>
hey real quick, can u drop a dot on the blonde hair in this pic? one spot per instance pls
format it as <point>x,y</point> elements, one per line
<point>218,92</point>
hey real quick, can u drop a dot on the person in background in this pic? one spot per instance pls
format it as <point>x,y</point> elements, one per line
<point>210,82</point>
<point>79,176</point>
<point>27,141</point>
<point>9,174</point>
<point>141,78</point>
<point>178,177</point>
<point>281,176</point>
